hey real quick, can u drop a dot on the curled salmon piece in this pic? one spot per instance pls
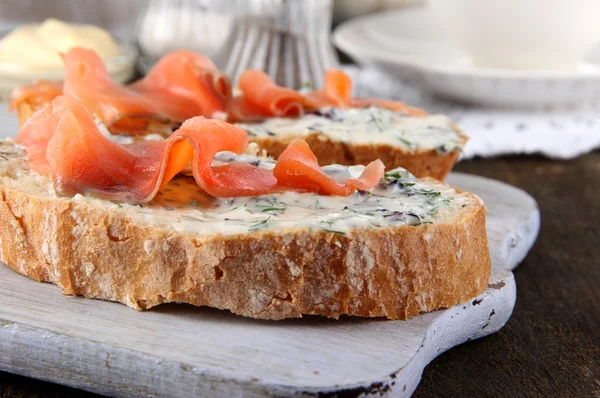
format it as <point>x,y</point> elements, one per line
<point>64,142</point>
<point>87,80</point>
<point>336,91</point>
<point>262,98</point>
<point>396,106</point>
<point>182,85</point>
<point>298,168</point>
<point>30,98</point>
<point>40,92</point>
<point>187,84</point>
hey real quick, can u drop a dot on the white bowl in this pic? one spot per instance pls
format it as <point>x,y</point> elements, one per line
<point>408,43</point>
<point>521,34</point>
<point>121,68</point>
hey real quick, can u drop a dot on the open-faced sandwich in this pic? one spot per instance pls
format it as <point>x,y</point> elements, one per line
<point>339,128</point>
<point>113,207</point>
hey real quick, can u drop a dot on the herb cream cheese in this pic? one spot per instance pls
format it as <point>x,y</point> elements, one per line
<point>373,125</point>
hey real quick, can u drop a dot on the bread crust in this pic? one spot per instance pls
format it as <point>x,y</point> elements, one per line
<point>389,272</point>
<point>430,163</point>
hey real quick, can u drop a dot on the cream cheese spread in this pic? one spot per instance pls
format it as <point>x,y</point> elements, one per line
<point>373,125</point>
<point>400,199</point>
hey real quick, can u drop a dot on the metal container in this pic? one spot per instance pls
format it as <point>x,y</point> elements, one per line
<point>289,39</point>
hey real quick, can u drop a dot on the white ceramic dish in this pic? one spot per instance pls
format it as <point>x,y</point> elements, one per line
<point>121,68</point>
<point>521,34</point>
<point>408,43</point>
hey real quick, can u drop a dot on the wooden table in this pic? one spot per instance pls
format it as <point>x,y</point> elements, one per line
<point>551,345</point>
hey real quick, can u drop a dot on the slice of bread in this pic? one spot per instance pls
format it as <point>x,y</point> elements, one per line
<point>422,163</point>
<point>426,146</point>
<point>406,247</point>
<point>407,143</point>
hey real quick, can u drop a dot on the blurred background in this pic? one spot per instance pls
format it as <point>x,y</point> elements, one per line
<point>221,29</point>
<point>521,77</point>
<point>506,87</point>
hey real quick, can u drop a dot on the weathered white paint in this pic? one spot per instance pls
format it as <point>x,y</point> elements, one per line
<point>178,350</point>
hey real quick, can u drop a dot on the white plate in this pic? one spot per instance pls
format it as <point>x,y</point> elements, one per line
<point>407,43</point>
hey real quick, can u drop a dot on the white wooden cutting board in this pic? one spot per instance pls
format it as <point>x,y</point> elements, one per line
<point>183,351</point>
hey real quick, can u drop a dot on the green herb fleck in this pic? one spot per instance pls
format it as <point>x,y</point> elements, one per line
<point>397,174</point>
<point>405,142</point>
<point>190,218</point>
<point>259,225</point>
<point>267,209</point>
<point>426,192</point>
<point>333,231</point>
<point>376,119</point>
<point>449,147</point>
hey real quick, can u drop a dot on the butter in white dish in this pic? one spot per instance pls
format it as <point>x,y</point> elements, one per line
<point>37,47</point>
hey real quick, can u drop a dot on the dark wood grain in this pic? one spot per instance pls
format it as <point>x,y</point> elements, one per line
<point>551,345</point>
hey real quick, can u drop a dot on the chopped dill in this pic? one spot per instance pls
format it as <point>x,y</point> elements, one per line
<point>267,209</point>
<point>333,231</point>
<point>405,142</point>
<point>426,192</point>
<point>259,225</point>
<point>190,218</point>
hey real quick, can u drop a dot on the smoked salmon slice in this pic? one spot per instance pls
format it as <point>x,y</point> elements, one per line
<point>298,168</point>
<point>262,98</point>
<point>64,142</point>
<point>186,83</point>
<point>40,92</point>
<point>396,106</point>
<point>336,91</point>
<point>87,80</point>
<point>183,84</point>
